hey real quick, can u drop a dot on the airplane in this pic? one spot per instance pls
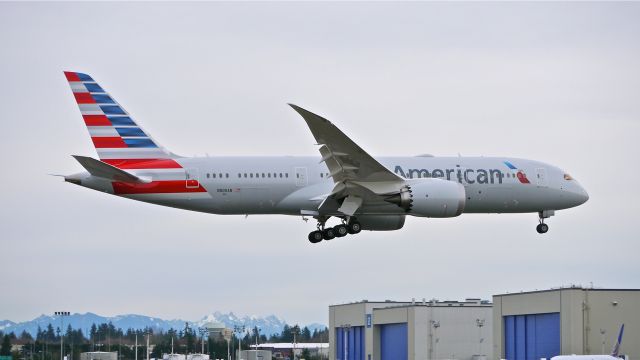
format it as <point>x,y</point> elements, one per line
<point>615,352</point>
<point>345,182</point>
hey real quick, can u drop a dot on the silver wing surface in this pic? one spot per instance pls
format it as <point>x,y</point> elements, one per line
<point>360,180</point>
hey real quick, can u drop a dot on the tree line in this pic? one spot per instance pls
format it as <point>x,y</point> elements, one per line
<point>106,337</point>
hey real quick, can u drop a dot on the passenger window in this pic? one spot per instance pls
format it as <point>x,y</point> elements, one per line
<point>263,175</point>
<point>251,175</point>
<point>269,175</point>
<point>220,175</point>
<point>280,174</point>
<point>321,175</point>
<point>298,176</point>
<point>207,175</point>
<point>226,175</point>
<point>286,175</point>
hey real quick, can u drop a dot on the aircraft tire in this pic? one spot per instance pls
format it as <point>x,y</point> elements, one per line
<point>354,227</point>
<point>328,233</point>
<point>315,237</point>
<point>340,230</point>
<point>542,228</point>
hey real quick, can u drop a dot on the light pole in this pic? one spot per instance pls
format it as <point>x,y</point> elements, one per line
<point>62,314</point>
<point>480,324</point>
<point>227,336</point>
<point>239,330</point>
<point>295,331</point>
<point>202,331</point>
<point>436,325</point>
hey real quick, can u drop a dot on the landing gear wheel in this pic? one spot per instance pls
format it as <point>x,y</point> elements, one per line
<point>315,236</point>
<point>341,230</point>
<point>542,228</point>
<point>328,233</point>
<point>354,227</point>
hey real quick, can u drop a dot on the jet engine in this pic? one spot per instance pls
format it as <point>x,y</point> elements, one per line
<point>430,198</point>
<point>381,222</point>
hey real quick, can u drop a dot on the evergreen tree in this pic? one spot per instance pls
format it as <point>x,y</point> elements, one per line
<point>5,348</point>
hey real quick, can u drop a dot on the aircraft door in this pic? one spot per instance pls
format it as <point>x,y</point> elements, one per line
<point>541,177</point>
<point>192,179</point>
<point>301,176</point>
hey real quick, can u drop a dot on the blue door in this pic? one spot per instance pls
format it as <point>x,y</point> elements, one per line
<point>350,343</point>
<point>531,337</point>
<point>394,344</point>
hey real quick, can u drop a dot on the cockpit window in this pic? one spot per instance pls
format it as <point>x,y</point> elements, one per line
<point>567,177</point>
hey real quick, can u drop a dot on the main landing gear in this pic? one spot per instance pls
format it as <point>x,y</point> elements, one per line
<point>542,227</point>
<point>352,226</point>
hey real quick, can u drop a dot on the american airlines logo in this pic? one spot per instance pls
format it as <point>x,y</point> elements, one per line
<point>463,175</point>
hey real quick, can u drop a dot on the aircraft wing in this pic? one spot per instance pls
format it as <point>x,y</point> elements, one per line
<point>360,179</point>
<point>344,158</point>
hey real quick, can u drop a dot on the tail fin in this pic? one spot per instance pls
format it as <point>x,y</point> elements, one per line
<point>114,134</point>
<point>616,346</point>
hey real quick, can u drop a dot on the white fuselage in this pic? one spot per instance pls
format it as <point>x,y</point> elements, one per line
<point>294,185</point>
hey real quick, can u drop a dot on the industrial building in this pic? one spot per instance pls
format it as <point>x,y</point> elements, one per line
<point>288,350</point>
<point>99,355</point>
<point>255,355</point>
<point>411,331</point>
<point>565,321</point>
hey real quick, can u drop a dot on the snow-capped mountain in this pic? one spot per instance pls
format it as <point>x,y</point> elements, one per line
<point>268,325</point>
<point>5,323</point>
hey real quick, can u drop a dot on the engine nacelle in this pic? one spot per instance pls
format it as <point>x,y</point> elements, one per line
<point>381,222</point>
<point>431,198</point>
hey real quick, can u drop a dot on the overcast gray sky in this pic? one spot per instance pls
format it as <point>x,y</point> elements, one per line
<point>556,82</point>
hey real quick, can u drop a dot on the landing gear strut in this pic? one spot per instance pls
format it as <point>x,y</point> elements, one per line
<point>350,226</point>
<point>542,227</point>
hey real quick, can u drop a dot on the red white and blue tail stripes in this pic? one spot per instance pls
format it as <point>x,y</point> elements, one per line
<point>120,142</point>
<point>114,133</point>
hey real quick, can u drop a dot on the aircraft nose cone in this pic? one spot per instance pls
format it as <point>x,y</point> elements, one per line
<point>579,195</point>
<point>583,195</point>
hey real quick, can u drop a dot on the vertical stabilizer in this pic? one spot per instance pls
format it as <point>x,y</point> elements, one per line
<point>616,347</point>
<point>115,135</point>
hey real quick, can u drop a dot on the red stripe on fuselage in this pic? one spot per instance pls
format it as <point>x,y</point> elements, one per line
<point>96,120</point>
<point>156,187</point>
<point>84,98</point>
<point>71,76</point>
<point>108,142</point>
<point>143,163</point>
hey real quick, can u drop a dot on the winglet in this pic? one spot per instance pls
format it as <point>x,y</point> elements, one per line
<point>103,170</point>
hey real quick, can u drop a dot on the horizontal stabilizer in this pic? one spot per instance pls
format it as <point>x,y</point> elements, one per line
<point>103,170</point>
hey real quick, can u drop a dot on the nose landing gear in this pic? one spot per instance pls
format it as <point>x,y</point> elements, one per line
<point>542,227</point>
<point>350,226</point>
